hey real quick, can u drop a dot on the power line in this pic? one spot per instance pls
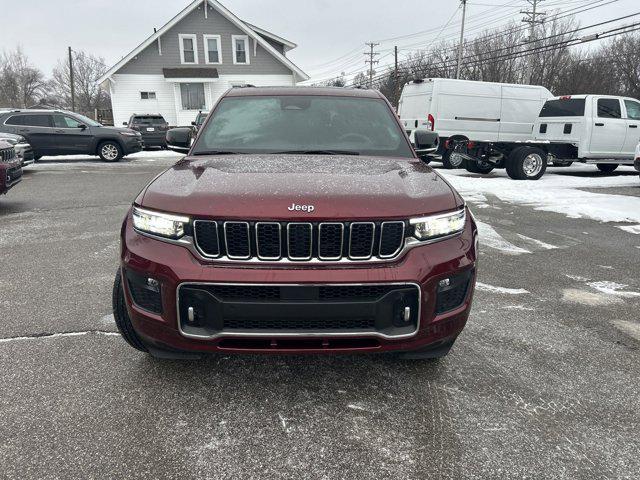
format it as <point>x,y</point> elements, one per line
<point>533,20</point>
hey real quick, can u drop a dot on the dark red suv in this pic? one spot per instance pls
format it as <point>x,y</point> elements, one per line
<point>301,221</point>
<point>10,167</point>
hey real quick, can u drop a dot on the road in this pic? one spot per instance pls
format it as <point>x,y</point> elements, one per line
<point>543,383</point>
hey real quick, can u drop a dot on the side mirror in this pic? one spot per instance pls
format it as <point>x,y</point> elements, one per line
<point>179,139</point>
<point>82,126</point>
<point>426,141</point>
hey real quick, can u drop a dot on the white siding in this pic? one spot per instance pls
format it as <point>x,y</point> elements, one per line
<point>125,94</point>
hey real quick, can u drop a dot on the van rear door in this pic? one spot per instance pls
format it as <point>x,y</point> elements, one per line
<point>414,105</point>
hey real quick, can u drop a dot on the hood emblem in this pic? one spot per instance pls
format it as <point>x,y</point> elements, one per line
<point>301,208</point>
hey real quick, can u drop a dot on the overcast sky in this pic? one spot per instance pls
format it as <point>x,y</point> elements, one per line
<point>325,30</point>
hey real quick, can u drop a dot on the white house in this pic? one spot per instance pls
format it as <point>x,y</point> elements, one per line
<point>189,63</point>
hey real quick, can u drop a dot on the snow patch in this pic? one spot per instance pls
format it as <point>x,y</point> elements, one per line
<point>612,288</point>
<point>492,289</point>
<point>577,278</point>
<point>630,328</point>
<point>489,237</point>
<point>558,192</point>
<point>53,336</point>
<point>538,243</point>
<point>583,297</point>
<point>630,228</point>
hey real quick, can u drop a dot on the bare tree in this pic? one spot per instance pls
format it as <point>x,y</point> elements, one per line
<point>87,70</point>
<point>21,84</point>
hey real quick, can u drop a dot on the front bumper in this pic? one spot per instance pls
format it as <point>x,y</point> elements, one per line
<point>10,175</point>
<point>133,145</point>
<point>176,269</point>
<point>25,153</point>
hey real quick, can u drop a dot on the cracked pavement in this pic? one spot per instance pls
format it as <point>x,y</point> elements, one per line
<point>543,383</point>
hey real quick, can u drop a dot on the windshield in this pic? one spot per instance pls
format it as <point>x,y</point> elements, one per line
<point>150,120</point>
<point>303,124</point>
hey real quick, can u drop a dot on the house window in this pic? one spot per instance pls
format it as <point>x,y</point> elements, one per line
<point>212,50</point>
<point>192,96</point>
<point>188,51</point>
<point>241,49</point>
<point>147,95</point>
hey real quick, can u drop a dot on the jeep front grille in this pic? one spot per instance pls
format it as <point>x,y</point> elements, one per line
<point>299,241</point>
<point>7,154</point>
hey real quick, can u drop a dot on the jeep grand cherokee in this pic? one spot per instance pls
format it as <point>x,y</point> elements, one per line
<point>301,220</point>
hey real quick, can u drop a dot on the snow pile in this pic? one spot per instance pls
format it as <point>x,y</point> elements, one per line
<point>558,191</point>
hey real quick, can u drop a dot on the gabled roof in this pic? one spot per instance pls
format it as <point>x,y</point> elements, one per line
<point>288,44</point>
<point>253,32</point>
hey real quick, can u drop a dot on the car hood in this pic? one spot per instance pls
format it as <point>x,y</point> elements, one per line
<point>117,129</point>
<point>259,187</point>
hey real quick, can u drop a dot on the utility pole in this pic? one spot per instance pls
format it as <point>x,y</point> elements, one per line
<point>532,19</point>
<point>72,83</point>
<point>464,16</point>
<point>371,62</point>
<point>395,70</point>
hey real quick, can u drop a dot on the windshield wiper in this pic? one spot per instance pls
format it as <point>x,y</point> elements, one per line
<point>318,152</point>
<point>215,152</point>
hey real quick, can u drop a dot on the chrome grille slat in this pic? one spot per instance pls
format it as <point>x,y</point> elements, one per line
<point>384,238</point>
<point>361,228</point>
<point>235,241</point>
<point>266,246</point>
<point>324,244</point>
<point>295,228</point>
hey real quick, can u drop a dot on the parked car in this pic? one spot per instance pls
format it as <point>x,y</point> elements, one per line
<point>465,110</point>
<point>57,132</point>
<point>596,129</point>
<point>197,123</point>
<point>22,148</point>
<point>10,167</point>
<point>153,129</point>
<point>333,236</point>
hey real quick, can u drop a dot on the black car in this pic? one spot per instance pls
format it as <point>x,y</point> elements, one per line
<point>153,129</point>
<point>24,152</point>
<point>57,132</point>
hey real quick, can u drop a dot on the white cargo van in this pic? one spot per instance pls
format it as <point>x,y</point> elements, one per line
<point>462,110</point>
<point>597,129</point>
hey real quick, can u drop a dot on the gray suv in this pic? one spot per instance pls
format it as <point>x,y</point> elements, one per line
<point>57,132</point>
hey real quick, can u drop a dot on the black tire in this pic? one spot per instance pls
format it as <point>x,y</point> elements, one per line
<point>123,322</point>
<point>607,167</point>
<point>451,163</point>
<point>478,167</point>
<point>429,353</point>
<point>110,151</point>
<point>527,163</point>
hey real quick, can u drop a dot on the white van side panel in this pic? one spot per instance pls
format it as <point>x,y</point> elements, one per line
<point>470,109</point>
<point>520,109</point>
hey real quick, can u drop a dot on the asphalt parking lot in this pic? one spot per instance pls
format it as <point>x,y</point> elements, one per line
<point>543,383</point>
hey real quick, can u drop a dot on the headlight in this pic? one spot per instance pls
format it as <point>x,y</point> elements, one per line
<point>129,134</point>
<point>427,228</point>
<point>11,141</point>
<point>156,223</point>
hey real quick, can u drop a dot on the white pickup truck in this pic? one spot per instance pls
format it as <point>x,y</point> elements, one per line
<point>597,129</point>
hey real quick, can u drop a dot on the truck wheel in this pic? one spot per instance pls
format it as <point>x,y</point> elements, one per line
<point>478,167</point>
<point>123,322</point>
<point>527,163</point>
<point>452,159</point>
<point>110,151</point>
<point>607,167</point>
